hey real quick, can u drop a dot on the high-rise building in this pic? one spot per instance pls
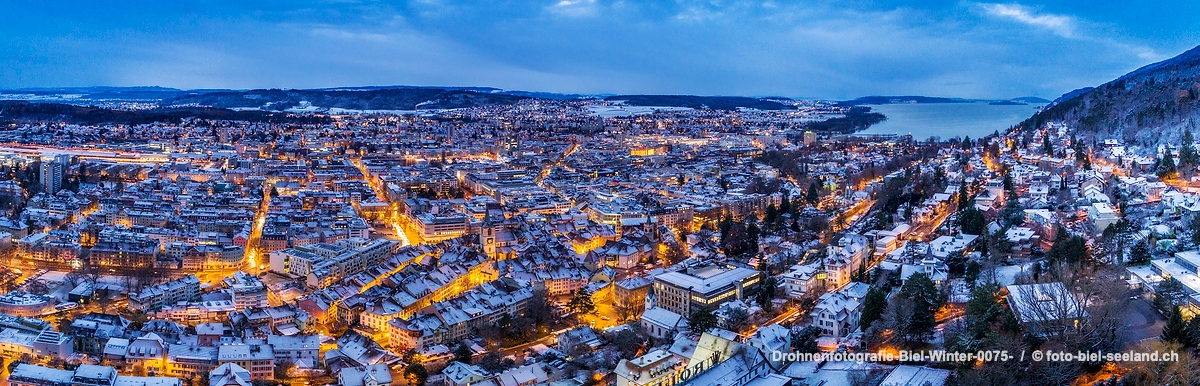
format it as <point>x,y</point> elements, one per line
<point>52,176</point>
<point>810,138</point>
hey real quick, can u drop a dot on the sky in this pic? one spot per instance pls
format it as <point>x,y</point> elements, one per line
<point>802,49</point>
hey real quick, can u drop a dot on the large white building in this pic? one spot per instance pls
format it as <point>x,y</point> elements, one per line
<point>703,285</point>
<point>322,264</point>
<point>167,294</point>
<point>1184,267</point>
<point>51,176</point>
<point>1101,215</point>
<point>837,314</point>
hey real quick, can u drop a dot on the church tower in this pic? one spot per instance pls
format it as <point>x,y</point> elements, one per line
<point>487,235</point>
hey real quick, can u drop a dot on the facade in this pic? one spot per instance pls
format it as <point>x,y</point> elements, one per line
<point>295,348</point>
<point>84,375</point>
<point>837,314</point>
<point>629,296</point>
<point>246,290</point>
<point>171,293</point>
<point>703,285</point>
<point>259,359</point>
<point>1101,215</point>
<point>322,264</point>
<point>51,176</point>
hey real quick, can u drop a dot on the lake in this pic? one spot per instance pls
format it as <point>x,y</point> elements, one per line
<point>948,120</point>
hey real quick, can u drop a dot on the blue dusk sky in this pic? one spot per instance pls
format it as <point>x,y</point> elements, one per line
<point>819,49</point>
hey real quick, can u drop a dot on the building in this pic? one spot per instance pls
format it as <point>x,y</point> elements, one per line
<point>653,368</point>
<point>296,348</point>
<point>660,323</point>
<point>703,285</point>
<point>51,177</point>
<point>229,374</point>
<point>371,375</point>
<point>171,293</point>
<point>246,290</point>
<point>1184,267</point>
<point>41,345</point>
<point>259,359</point>
<point>92,331</point>
<point>1101,215</point>
<point>21,303</point>
<point>462,374</point>
<point>629,296</point>
<point>837,313</point>
<point>124,250</point>
<point>190,361</point>
<point>844,259</point>
<point>323,264</point>
<point>801,280</point>
<point>810,138</point>
<point>84,375</point>
<point>1045,307</point>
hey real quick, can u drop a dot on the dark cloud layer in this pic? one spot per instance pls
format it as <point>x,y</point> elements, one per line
<point>827,49</point>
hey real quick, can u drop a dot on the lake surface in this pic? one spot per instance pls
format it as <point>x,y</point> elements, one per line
<point>947,120</point>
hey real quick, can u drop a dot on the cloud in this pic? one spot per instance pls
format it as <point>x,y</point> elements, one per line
<point>575,8</point>
<point>1060,25</point>
<point>800,48</point>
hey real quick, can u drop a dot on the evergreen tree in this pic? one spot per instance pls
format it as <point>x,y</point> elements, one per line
<point>1176,330</point>
<point>1069,249</point>
<point>971,273</point>
<point>752,233</point>
<point>805,341</point>
<point>920,292</point>
<point>702,320</point>
<point>462,353</point>
<point>1169,294</point>
<point>814,194</point>
<point>1195,226</point>
<point>873,306</point>
<point>964,200</point>
<point>416,374</point>
<point>581,302</point>
<point>725,226</point>
<point>972,222</point>
<point>767,292</point>
<point>1046,145</point>
<point>1166,166</point>
<point>1140,253</point>
<point>1187,150</point>
<point>966,143</point>
<point>1010,188</point>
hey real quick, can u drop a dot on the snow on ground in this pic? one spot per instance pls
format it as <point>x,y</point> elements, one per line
<point>1007,275</point>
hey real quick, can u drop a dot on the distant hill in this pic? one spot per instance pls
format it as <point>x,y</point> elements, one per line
<point>22,111</point>
<point>396,97</point>
<point>693,101</point>
<point>88,94</point>
<point>408,98</point>
<point>885,100</point>
<point>910,99</point>
<point>1151,104</point>
<point>1031,100</point>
